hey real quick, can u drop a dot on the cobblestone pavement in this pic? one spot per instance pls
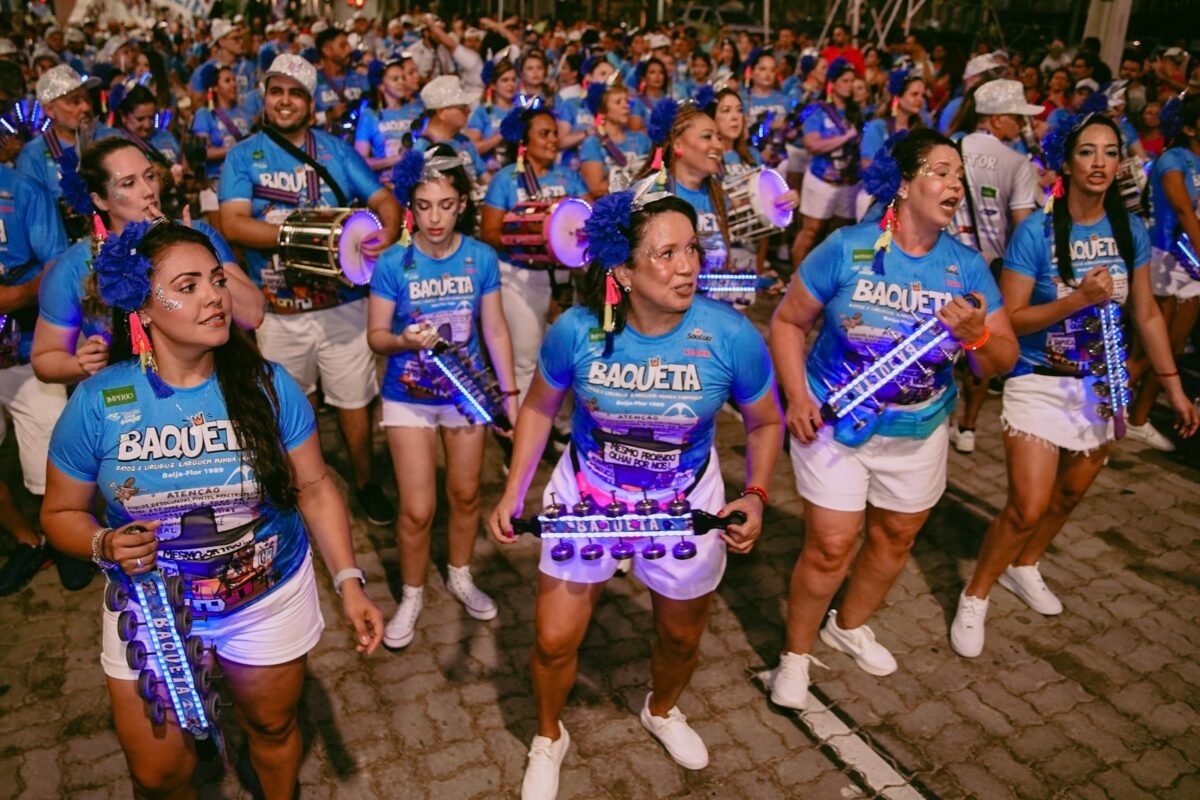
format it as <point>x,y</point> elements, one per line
<point>1100,702</point>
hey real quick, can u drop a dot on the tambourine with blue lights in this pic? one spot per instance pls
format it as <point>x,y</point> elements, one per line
<point>1108,362</point>
<point>615,523</point>
<point>473,390</point>
<point>1185,255</point>
<point>869,388</point>
<point>173,663</point>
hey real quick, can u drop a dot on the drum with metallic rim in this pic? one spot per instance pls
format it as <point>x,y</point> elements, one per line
<point>547,232</point>
<point>1131,182</point>
<point>753,213</point>
<point>326,241</point>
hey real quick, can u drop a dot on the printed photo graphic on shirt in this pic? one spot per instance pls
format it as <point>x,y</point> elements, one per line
<point>222,569</point>
<point>644,424</point>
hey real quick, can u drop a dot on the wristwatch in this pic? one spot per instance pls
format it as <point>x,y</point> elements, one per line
<point>347,574</point>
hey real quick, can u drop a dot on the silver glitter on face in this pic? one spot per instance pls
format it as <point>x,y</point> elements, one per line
<point>161,296</point>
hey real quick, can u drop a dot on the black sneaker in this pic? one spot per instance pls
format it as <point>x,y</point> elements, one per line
<point>22,565</point>
<point>74,573</point>
<point>375,505</point>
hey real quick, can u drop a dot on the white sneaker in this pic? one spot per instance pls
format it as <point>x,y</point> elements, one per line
<point>1148,434</point>
<point>460,584</point>
<point>789,681</point>
<point>682,742</point>
<point>403,625</point>
<point>545,761</point>
<point>963,441</point>
<point>966,632</point>
<point>859,643</point>
<point>1027,584</point>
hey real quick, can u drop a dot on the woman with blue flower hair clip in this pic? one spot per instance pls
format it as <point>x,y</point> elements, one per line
<point>532,136</point>
<point>499,98</point>
<point>208,460</point>
<point>649,365</point>
<point>1067,268</point>
<point>611,156</point>
<point>383,127</point>
<point>884,465</point>
<point>436,286</point>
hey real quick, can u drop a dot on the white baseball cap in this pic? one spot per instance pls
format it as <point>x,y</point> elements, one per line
<point>288,65</point>
<point>657,41</point>
<point>1004,97</point>
<point>981,64</point>
<point>7,48</point>
<point>446,91</point>
<point>1087,83</point>
<point>221,28</point>
<point>59,81</point>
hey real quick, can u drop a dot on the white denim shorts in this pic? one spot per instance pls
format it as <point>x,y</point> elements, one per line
<point>1058,410</point>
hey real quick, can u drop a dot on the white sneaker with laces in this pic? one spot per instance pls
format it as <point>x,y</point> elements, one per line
<point>403,625</point>
<point>859,643</point>
<point>681,741</point>
<point>545,762</point>
<point>966,632</point>
<point>462,586</point>
<point>789,681</point>
<point>1148,434</point>
<point>964,441</point>
<point>1027,584</point>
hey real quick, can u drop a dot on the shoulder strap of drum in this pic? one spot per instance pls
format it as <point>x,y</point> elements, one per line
<point>145,147</point>
<point>833,115</point>
<point>613,151</point>
<point>308,157</point>
<point>229,124</point>
<point>969,195</point>
<point>13,275</point>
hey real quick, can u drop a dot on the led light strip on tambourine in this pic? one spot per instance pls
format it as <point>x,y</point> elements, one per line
<point>167,619</point>
<point>1110,364</point>
<point>1185,254</point>
<point>648,520</point>
<point>475,394</point>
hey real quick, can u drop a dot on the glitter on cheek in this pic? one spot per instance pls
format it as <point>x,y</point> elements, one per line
<point>161,296</point>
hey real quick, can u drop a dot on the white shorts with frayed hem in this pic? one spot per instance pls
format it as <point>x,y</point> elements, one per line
<point>821,200</point>
<point>397,414</point>
<point>1058,410</point>
<point>1169,279</point>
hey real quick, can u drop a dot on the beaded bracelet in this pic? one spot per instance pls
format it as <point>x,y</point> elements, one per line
<point>758,492</point>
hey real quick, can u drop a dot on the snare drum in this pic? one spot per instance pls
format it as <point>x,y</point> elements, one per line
<point>752,210</point>
<point>326,241</point>
<point>1131,181</point>
<point>547,232</point>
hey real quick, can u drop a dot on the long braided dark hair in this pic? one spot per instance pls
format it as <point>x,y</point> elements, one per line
<point>1114,209</point>
<point>245,377</point>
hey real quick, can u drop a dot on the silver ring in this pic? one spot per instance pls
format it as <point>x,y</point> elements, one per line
<point>139,563</point>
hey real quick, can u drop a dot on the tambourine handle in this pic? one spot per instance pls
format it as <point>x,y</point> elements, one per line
<point>531,525</point>
<point>703,522</point>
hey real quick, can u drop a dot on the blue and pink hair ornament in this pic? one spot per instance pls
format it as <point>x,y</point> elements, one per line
<point>74,189</point>
<point>807,64</point>
<point>895,86</point>
<point>1054,146</point>
<point>123,280</point>
<point>882,179</point>
<point>704,97</point>
<point>406,174</point>
<point>662,119</point>
<point>607,232</point>
<point>594,101</point>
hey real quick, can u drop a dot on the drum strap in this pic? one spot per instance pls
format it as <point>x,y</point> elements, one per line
<point>614,152</point>
<point>970,196</point>
<point>229,124</point>
<point>158,158</point>
<point>307,156</point>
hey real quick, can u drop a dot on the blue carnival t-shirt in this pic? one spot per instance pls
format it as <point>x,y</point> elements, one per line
<point>348,89</point>
<point>645,416</point>
<point>708,227</point>
<point>243,71</point>
<point>1031,253</point>
<point>206,123</point>
<point>775,103</point>
<point>445,293</point>
<point>1164,231</point>
<point>159,459</point>
<point>31,234</point>
<point>506,190</point>
<point>486,118</point>
<point>384,130</point>
<point>864,309</point>
<point>635,148</point>
<point>258,161</point>
<point>840,165</point>
<point>63,289</point>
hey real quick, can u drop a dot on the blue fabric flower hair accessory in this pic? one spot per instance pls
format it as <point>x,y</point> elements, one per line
<point>122,273</point>
<point>882,180</point>
<point>75,190</point>
<point>406,174</point>
<point>512,127</point>
<point>662,119</point>
<point>704,97</point>
<point>595,97</point>
<point>375,72</point>
<point>607,229</point>
<point>896,79</point>
<point>1054,145</point>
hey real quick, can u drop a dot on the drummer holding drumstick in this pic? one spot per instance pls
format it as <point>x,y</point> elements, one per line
<point>532,136</point>
<point>316,326</point>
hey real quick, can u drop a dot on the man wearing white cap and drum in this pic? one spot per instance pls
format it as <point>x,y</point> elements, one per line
<point>45,159</point>
<point>316,326</point>
<point>1000,192</point>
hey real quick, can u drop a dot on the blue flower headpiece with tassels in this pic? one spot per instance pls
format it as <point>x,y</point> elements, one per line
<point>662,119</point>
<point>607,231</point>
<point>413,169</point>
<point>74,188</point>
<point>704,97</point>
<point>896,79</point>
<point>595,97</point>
<point>123,280</point>
<point>882,179</point>
<point>1054,146</point>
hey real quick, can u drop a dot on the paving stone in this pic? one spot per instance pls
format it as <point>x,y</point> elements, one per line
<point>1158,769</point>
